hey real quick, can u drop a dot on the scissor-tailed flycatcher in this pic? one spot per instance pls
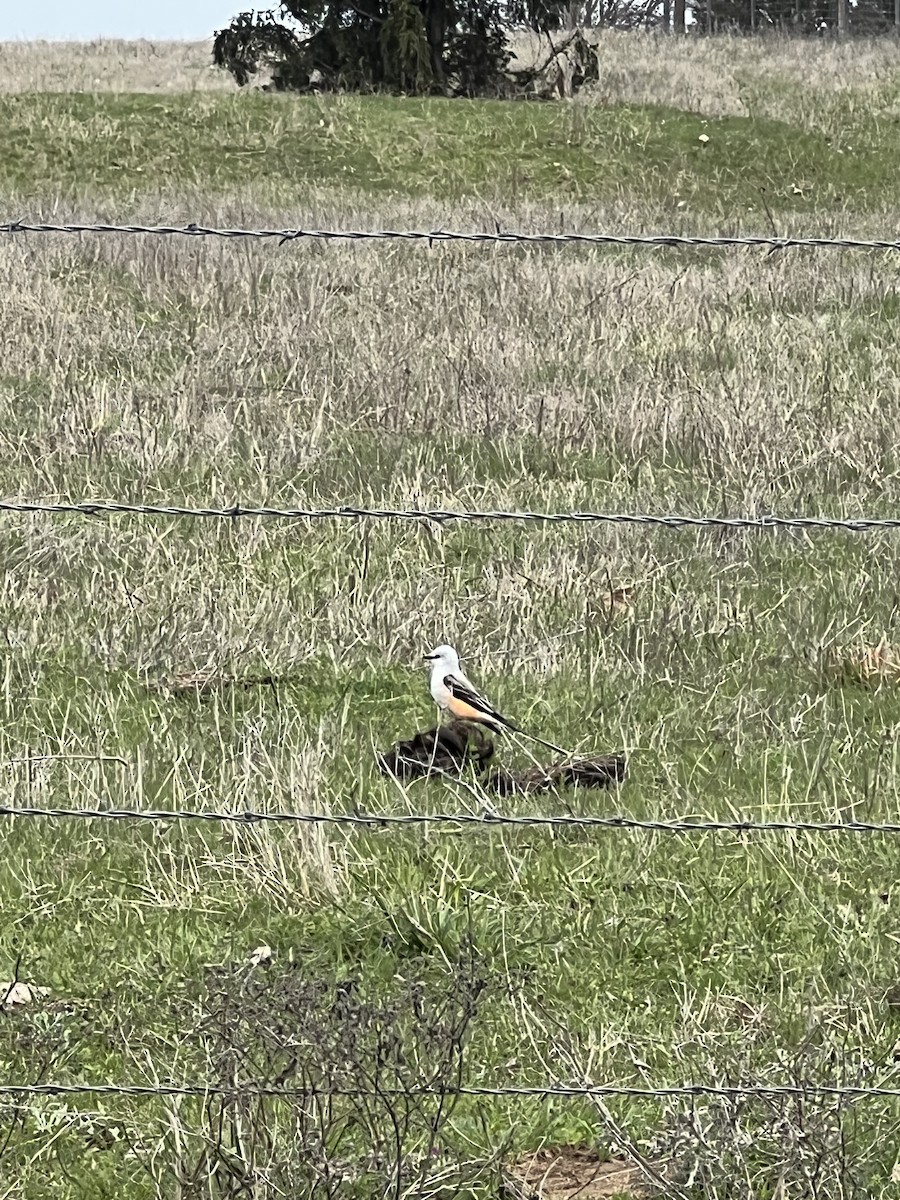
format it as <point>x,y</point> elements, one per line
<point>454,693</point>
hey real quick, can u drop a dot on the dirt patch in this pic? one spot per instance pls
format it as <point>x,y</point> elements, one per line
<point>448,749</point>
<point>566,1172</point>
<point>203,684</point>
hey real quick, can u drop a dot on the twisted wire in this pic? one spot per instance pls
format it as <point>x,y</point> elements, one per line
<point>541,1091</point>
<point>97,508</point>
<point>486,818</point>
<point>194,230</point>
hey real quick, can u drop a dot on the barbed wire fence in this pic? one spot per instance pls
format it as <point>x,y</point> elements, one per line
<point>436,236</point>
<point>811,1091</point>
<point>487,818</point>
<point>440,516</point>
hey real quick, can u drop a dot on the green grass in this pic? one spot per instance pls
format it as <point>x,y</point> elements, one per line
<point>394,376</point>
<point>383,146</point>
<point>644,942</point>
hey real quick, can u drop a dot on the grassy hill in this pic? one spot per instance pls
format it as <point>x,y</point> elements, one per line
<point>727,166</point>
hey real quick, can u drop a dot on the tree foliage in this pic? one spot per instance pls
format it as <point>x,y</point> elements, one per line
<point>444,47</point>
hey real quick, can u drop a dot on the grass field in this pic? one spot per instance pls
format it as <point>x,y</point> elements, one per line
<point>451,376</point>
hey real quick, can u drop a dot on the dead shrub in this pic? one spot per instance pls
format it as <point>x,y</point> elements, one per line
<point>354,1085</point>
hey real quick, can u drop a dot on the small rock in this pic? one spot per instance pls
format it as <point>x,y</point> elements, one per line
<point>14,992</point>
<point>260,956</point>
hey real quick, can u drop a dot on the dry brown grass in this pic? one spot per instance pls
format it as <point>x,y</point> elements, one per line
<point>798,80</point>
<point>110,65</point>
<point>309,375</point>
<point>870,665</point>
<point>805,81</point>
<point>396,376</point>
<point>650,350</point>
<point>259,370</point>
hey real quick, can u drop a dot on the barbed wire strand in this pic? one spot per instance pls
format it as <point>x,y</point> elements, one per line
<point>97,508</point>
<point>546,1091</point>
<point>193,230</point>
<point>486,818</point>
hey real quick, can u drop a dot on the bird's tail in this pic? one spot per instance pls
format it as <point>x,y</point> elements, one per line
<point>533,737</point>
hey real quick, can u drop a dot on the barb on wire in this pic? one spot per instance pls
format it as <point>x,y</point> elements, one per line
<point>447,235</point>
<point>810,1091</point>
<point>97,508</point>
<point>486,818</point>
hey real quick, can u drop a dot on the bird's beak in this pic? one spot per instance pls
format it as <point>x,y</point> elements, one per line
<point>429,657</point>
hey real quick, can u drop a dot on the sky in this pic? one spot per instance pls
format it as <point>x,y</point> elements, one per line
<point>157,20</point>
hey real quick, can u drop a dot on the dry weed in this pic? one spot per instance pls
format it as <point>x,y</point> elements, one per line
<point>802,81</point>
<point>871,665</point>
<point>110,65</point>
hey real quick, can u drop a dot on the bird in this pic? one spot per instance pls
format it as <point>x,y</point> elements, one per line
<point>455,693</point>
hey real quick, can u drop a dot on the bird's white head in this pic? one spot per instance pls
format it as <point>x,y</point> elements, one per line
<point>444,657</point>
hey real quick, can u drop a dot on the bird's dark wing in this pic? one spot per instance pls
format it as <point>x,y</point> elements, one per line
<point>467,694</point>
